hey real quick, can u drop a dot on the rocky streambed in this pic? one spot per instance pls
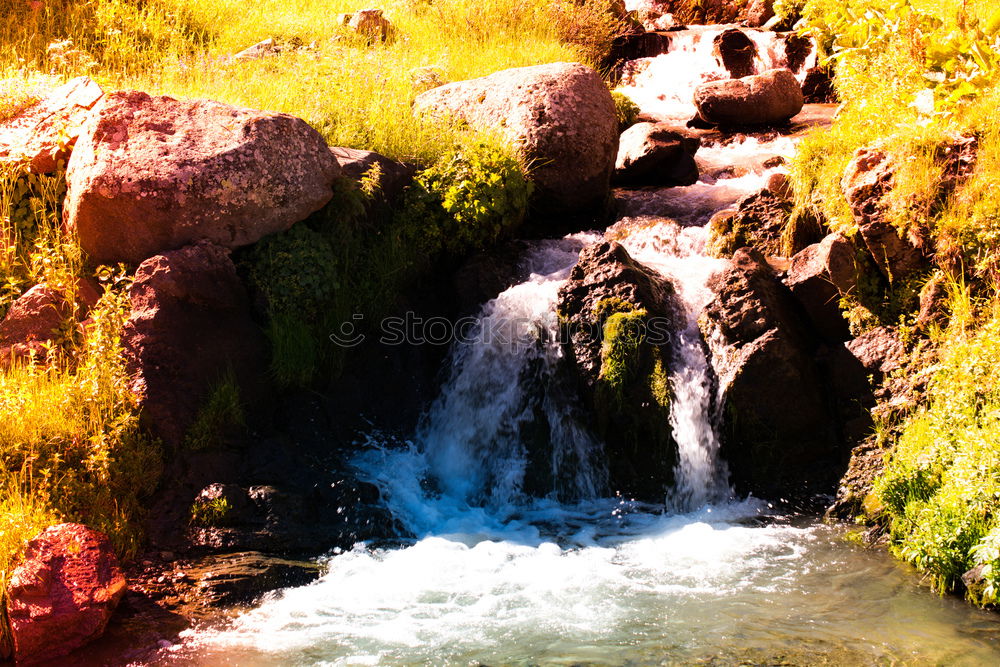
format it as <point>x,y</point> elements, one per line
<point>576,489</point>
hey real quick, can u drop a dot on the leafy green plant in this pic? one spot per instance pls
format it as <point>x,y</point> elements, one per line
<point>210,513</point>
<point>469,199</point>
<point>626,110</point>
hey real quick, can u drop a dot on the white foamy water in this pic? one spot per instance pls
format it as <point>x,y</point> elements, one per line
<point>515,558</point>
<point>663,86</point>
<point>679,254</point>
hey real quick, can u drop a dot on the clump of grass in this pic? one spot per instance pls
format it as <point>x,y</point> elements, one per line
<point>222,412</point>
<point>941,488</point>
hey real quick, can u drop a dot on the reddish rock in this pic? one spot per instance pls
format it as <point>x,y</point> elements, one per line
<point>772,97</point>
<point>62,594</point>
<point>562,117</point>
<point>44,134</point>
<point>818,277</point>
<point>36,316</point>
<point>190,325</point>
<point>151,174</point>
<point>867,180</point>
<point>371,25</point>
<point>656,154</point>
<point>778,432</point>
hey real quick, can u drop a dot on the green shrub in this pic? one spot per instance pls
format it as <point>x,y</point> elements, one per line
<point>295,271</point>
<point>469,199</point>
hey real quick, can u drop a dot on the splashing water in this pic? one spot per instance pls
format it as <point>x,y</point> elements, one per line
<point>663,86</point>
<point>517,559</point>
<point>504,386</point>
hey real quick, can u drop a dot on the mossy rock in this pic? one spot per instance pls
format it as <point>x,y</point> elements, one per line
<point>617,319</point>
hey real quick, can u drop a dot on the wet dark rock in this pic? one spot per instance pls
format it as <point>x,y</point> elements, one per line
<point>735,52</point>
<point>866,465</point>
<point>241,578</point>
<point>656,154</point>
<point>485,275</point>
<point>618,317</point>
<point>777,432</point>
<point>757,222</point>
<point>797,50</point>
<point>773,97</point>
<point>817,87</point>
<point>818,277</point>
<point>633,46</point>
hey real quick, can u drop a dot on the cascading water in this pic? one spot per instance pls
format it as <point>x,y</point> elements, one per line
<point>518,555</point>
<point>503,388</point>
<point>663,86</point>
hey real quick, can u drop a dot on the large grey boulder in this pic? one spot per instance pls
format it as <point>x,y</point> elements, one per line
<point>761,99</point>
<point>151,174</point>
<point>562,118</point>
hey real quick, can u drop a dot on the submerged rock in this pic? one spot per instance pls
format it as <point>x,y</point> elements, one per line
<point>151,174</point>
<point>761,99</point>
<point>42,136</point>
<point>63,593</point>
<point>562,118</point>
<point>656,154</point>
<point>777,431</point>
<point>190,326</point>
<point>618,318</point>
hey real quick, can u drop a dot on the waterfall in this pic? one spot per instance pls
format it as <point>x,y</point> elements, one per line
<point>678,253</point>
<point>663,86</point>
<point>503,405</point>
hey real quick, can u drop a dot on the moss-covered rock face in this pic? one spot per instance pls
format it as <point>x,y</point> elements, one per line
<point>758,222</point>
<point>617,319</point>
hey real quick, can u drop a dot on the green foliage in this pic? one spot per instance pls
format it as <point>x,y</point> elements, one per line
<point>222,412</point>
<point>941,487</point>
<point>295,271</point>
<point>473,196</point>
<point>210,512</point>
<point>294,355</point>
<point>626,110</point>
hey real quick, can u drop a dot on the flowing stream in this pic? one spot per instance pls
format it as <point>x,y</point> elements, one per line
<point>524,556</point>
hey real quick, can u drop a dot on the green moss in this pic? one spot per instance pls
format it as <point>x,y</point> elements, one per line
<point>222,412</point>
<point>623,335</point>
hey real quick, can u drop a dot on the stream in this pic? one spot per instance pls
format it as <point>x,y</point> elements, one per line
<point>496,577</point>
